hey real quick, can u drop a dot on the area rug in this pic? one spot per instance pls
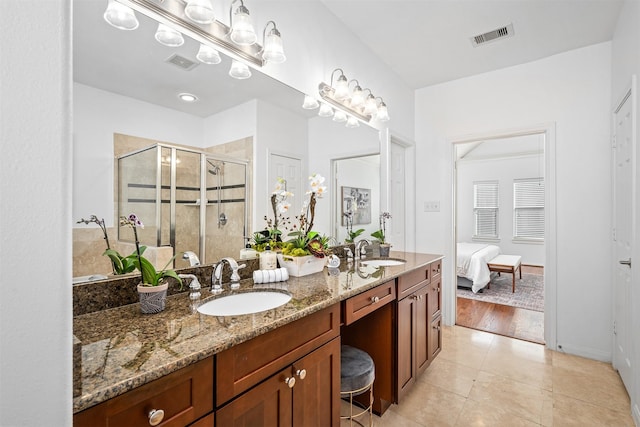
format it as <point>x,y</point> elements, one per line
<point>529,292</point>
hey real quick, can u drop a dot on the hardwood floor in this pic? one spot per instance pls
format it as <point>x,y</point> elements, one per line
<point>502,319</point>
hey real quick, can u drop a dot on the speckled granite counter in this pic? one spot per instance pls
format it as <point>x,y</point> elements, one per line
<point>122,349</point>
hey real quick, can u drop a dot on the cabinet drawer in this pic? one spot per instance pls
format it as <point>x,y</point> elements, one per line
<point>362,304</point>
<point>411,281</point>
<point>184,396</point>
<point>246,364</point>
<point>435,296</point>
<point>436,268</point>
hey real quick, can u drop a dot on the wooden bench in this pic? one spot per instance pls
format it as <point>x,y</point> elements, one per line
<point>507,264</point>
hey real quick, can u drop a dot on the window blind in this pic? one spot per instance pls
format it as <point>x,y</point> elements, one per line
<point>485,208</point>
<point>528,208</point>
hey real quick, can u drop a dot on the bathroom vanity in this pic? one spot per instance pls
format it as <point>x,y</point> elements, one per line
<point>277,367</point>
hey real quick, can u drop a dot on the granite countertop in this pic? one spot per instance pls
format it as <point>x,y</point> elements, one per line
<point>120,348</point>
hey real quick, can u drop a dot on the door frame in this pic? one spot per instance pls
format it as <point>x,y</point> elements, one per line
<point>550,267</point>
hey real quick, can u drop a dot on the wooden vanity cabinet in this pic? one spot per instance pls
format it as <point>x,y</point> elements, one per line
<point>289,376</point>
<point>184,396</point>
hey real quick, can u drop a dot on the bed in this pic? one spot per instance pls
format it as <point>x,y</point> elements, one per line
<point>471,263</point>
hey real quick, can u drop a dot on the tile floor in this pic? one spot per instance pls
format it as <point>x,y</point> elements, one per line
<point>481,379</point>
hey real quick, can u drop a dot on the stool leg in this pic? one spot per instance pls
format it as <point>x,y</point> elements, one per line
<point>513,281</point>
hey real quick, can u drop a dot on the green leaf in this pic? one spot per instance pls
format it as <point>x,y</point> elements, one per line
<point>116,260</point>
<point>148,271</point>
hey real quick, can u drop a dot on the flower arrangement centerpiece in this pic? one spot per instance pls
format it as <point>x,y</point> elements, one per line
<point>380,234</point>
<point>306,248</point>
<point>153,288</point>
<point>272,234</point>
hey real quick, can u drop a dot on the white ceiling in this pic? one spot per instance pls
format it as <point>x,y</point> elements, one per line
<point>427,42</point>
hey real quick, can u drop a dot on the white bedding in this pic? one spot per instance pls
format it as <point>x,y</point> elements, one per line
<point>471,262</point>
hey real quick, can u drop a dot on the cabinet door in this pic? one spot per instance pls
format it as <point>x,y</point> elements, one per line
<point>267,404</point>
<point>406,340</point>
<point>422,323</point>
<point>435,339</point>
<point>435,297</point>
<point>316,393</point>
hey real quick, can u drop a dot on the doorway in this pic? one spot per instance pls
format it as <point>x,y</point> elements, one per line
<point>510,162</point>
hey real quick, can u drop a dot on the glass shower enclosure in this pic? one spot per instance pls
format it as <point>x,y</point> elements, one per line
<point>189,200</point>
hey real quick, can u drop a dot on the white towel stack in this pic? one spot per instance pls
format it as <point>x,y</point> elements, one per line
<point>268,276</point>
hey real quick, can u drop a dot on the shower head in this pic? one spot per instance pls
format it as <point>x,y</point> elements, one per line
<point>214,168</point>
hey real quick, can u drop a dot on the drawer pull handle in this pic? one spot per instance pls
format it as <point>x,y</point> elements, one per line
<point>415,297</point>
<point>302,373</point>
<point>436,327</point>
<point>155,417</point>
<point>375,299</point>
<point>291,381</point>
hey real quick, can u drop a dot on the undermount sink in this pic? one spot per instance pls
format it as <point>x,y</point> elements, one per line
<point>245,303</point>
<point>383,262</point>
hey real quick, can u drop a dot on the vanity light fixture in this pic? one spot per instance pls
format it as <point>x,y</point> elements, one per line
<point>168,36</point>
<point>239,70</point>
<point>199,11</point>
<point>310,103</point>
<point>187,97</point>
<point>341,89</point>
<point>382,115</point>
<point>242,31</point>
<point>339,116</point>
<point>370,104</point>
<point>208,55</point>
<point>357,96</point>
<point>325,110</point>
<point>352,122</point>
<point>194,18</point>
<point>273,50</point>
<point>120,16</point>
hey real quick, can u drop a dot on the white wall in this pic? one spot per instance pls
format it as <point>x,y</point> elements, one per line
<point>626,62</point>
<point>98,115</point>
<point>503,170</point>
<point>573,91</point>
<point>35,213</point>
<point>231,125</point>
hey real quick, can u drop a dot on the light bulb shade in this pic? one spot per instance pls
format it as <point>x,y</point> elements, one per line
<point>340,116</point>
<point>242,31</point>
<point>325,110</point>
<point>199,11</point>
<point>341,89</point>
<point>310,103</point>
<point>352,122</point>
<point>239,70</point>
<point>120,16</point>
<point>382,115</point>
<point>370,106</point>
<point>208,55</point>
<point>273,51</point>
<point>357,99</point>
<point>168,36</point>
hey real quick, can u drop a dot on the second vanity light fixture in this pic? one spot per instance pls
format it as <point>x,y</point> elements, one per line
<point>346,101</point>
<point>196,19</point>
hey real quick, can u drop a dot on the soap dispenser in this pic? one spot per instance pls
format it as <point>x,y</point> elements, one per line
<point>248,252</point>
<point>268,259</point>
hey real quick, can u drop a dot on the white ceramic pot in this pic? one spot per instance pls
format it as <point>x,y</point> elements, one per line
<point>152,298</point>
<point>384,249</point>
<point>298,266</point>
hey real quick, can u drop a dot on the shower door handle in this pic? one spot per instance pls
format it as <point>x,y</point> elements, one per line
<point>626,262</point>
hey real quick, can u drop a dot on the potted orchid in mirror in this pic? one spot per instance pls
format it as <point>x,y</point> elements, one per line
<point>305,252</point>
<point>380,234</point>
<point>153,287</point>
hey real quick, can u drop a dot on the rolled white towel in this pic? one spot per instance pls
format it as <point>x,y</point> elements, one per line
<point>268,276</point>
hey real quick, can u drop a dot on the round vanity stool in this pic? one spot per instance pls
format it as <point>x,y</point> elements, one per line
<point>357,373</point>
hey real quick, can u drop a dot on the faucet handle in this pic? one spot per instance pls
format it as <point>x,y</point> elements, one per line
<point>348,252</point>
<point>235,277</point>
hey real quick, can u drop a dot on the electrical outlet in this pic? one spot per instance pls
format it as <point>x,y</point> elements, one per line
<point>433,206</point>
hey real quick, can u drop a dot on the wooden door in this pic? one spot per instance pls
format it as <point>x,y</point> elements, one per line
<point>624,200</point>
<point>289,169</point>
<point>316,393</point>
<point>435,338</point>
<point>406,341</point>
<point>267,404</point>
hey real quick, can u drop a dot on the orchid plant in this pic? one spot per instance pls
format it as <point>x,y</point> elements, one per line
<point>381,233</point>
<point>149,275</point>
<point>119,264</point>
<point>348,219</point>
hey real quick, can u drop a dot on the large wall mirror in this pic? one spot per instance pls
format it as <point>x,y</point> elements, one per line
<point>126,88</point>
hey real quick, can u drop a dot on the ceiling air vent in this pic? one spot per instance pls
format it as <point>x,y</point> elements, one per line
<point>182,62</point>
<point>500,33</point>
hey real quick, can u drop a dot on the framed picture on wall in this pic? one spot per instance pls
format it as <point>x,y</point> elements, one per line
<point>357,202</point>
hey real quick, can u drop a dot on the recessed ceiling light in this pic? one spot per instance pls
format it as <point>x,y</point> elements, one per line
<point>187,97</point>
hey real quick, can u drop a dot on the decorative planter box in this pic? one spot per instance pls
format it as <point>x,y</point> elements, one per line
<point>301,265</point>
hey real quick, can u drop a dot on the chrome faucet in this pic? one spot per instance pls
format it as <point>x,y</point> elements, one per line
<point>361,247</point>
<point>192,257</point>
<point>218,270</point>
<point>194,285</point>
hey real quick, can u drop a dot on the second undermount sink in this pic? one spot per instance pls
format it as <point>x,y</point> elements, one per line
<point>245,303</point>
<point>383,262</point>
